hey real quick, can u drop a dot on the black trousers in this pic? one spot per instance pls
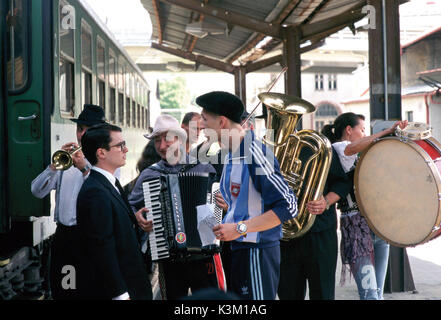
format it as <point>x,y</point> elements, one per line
<point>64,263</point>
<point>310,259</point>
<point>180,276</point>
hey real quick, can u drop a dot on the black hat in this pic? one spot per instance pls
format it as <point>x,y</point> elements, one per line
<point>91,115</point>
<point>222,103</point>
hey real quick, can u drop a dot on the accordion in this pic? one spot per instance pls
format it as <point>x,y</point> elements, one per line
<point>172,200</point>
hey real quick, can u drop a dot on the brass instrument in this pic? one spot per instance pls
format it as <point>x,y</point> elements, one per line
<point>62,159</point>
<point>304,156</point>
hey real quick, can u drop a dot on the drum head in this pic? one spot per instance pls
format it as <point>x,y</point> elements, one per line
<point>397,190</point>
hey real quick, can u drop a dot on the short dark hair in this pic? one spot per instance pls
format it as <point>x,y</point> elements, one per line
<point>97,137</point>
<point>188,116</point>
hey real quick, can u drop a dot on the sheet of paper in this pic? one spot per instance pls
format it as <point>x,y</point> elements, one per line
<point>206,222</point>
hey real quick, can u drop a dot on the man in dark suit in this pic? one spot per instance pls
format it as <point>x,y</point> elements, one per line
<point>111,265</point>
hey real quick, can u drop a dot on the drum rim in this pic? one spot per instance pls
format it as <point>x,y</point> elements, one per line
<point>436,174</point>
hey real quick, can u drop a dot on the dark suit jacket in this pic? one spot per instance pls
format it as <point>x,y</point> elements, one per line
<point>111,261</point>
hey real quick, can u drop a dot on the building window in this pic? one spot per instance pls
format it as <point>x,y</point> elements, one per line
<point>319,125</point>
<point>319,82</point>
<point>332,82</point>
<point>409,116</point>
<point>325,114</point>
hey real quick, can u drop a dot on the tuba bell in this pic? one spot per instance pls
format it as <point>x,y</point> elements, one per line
<point>62,159</point>
<point>304,156</point>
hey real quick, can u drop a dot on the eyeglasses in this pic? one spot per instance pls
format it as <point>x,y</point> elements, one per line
<point>121,145</point>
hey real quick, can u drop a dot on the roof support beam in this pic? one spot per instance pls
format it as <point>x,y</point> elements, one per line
<point>212,63</point>
<point>252,42</point>
<point>322,29</point>
<point>385,62</point>
<point>251,67</point>
<point>291,54</point>
<point>158,19</point>
<point>230,17</point>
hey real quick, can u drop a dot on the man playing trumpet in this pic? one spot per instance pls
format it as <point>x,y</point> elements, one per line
<point>66,183</point>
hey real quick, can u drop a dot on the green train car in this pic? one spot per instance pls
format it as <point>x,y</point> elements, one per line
<point>55,57</point>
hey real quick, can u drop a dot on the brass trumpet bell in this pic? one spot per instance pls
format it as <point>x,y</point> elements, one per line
<point>304,156</point>
<point>62,159</point>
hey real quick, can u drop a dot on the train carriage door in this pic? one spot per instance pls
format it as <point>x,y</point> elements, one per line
<point>3,210</point>
<point>25,45</point>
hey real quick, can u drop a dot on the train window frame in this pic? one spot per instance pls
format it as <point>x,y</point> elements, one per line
<point>26,42</point>
<point>127,111</point>
<point>134,113</point>
<point>66,58</point>
<point>113,84</point>
<point>101,80</point>
<point>86,71</point>
<point>121,91</point>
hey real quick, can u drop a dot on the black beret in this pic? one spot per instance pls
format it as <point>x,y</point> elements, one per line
<point>222,103</point>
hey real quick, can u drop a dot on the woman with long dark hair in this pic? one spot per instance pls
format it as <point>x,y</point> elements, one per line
<point>366,254</point>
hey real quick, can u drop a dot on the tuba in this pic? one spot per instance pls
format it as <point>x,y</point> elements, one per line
<point>304,156</point>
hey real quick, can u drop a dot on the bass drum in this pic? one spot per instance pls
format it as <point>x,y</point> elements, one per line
<point>398,188</point>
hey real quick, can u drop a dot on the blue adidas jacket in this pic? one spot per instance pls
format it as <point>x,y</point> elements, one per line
<point>252,184</point>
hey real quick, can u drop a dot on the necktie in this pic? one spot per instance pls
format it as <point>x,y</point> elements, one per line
<point>126,200</point>
<point>122,192</point>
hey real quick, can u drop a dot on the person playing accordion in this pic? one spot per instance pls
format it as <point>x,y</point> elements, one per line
<point>177,276</point>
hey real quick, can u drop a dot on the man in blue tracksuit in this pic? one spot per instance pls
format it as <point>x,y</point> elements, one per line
<point>258,199</point>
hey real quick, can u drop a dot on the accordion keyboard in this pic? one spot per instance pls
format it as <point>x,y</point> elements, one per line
<point>152,197</point>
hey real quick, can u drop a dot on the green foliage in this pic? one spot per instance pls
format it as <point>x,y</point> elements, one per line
<point>174,94</point>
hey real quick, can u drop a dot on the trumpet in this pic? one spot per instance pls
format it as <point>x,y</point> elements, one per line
<point>62,159</point>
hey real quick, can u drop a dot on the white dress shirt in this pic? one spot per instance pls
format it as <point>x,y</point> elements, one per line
<point>67,185</point>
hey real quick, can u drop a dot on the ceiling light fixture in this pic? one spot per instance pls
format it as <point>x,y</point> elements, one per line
<point>201,29</point>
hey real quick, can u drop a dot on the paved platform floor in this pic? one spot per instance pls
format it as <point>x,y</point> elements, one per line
<point>425,264</point>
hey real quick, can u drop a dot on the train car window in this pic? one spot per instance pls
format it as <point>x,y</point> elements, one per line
<point>120,76</point>
<point>121,108</point>
<point>112,84</point>
<point>112,69</point>
<point>67,58</point>
<point>121,92</point>
<point>112,105</point>
<point>134,113</point>
<point>101,71</point>
<point>127,83</point>
<point>132,86</point>
<point>128,112</point>
<point>17,51</point>
<point>147,119</point>
<point>138,115</point>
<point>86,61</point>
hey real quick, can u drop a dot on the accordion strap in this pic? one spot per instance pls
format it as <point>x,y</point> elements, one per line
<point>184,168</point>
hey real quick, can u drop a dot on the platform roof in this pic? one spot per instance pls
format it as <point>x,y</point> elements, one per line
<point>250,29</point>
